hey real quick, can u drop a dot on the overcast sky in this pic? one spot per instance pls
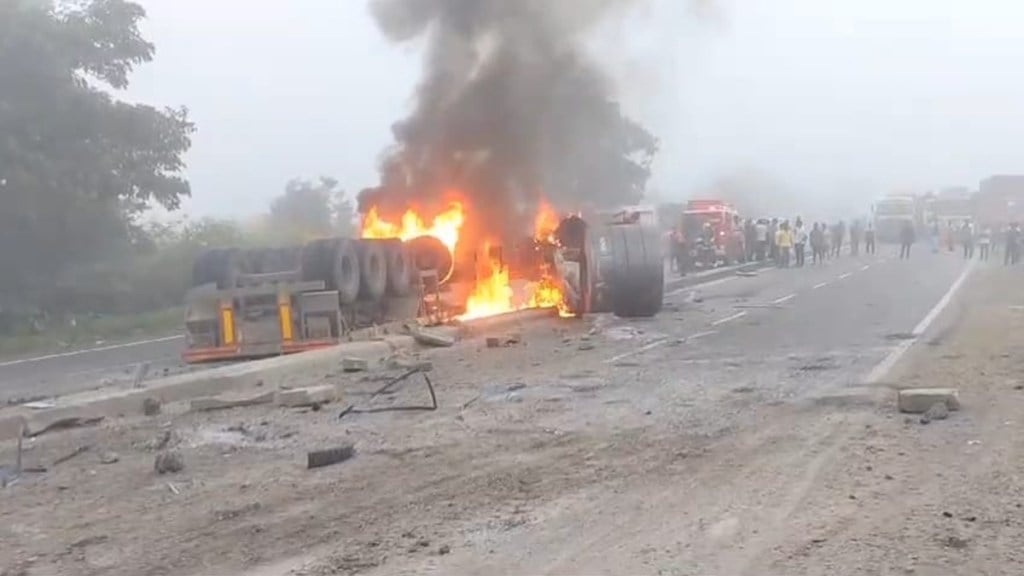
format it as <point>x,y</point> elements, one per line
<point>837,100</point>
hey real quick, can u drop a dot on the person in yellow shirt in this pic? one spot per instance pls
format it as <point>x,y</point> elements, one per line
<point>784,241</point>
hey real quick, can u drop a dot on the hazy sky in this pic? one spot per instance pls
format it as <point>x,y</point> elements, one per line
<point>834,99</point>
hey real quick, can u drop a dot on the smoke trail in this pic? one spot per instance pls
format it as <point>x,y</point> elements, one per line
<point>509,109</point>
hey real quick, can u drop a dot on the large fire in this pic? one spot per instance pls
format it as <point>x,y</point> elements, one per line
<point>492,292</point>
<point>445,226</point>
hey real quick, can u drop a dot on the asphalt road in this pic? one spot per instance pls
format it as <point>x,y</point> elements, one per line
<point>864,306</point>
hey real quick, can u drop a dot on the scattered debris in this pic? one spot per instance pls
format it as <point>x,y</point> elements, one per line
<point>515,386</point>
<point>434,338</point>
<point>162,441</point>
<point>39,404</point>
<point>585,346</point>
<point>493,342</point>
<point>141,370</point>
<point>919,400</point>
<point>627,364</point>
<point>73,454</point>
<point>746,273</point>
<point>900,336</point>
<point>174,489</point>
<point>938,411</point>
<point>444,550</point>
<point>109,457</point>
<point>513,339</point>
<point>226,401</point>
<point>233,513</point>
<point>354,365</point>
<point>955,542</point>
<point>303,397</point>
<point>351,409</point>
<point>62,424</point>
<point>151,406</point>
<point>169,462</point>
<point>322,458</point>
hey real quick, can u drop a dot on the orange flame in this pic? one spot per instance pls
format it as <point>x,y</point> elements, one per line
<point>445,226</point>
<point>545,223</point>
<point>492,294</point>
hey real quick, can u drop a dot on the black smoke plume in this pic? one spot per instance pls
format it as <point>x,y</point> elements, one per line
<point>510,110</point>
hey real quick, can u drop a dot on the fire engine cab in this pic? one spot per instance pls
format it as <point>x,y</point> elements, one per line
<point>714,227</point>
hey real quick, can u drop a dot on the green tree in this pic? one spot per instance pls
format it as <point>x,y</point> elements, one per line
<point>310,209</point>
<point>77,165</point>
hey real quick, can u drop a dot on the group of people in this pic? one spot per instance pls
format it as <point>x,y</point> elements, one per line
<point>973,240</point>
<point>788,244</point>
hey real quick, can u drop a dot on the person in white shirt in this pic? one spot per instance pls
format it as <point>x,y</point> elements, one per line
<point>800,243</point>
<point>762,240</point>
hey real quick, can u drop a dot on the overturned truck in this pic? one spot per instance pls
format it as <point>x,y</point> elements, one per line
<point>251,303</point>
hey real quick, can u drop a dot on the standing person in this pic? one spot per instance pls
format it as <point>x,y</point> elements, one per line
<point>838,232</point>
<point>762,239</point>
<point>933,235</point>
<point>1012,245</point>
<point>869,238</point>
<point>907,237</point>
<point>750,239</point>
<point>984,243</point>
<point>950,236</point>
<point>856,230</point>
<point>800,243</point>
<point>773,248</point>
<point>967,239</point>
<point>784,244</point>
<point>826,241</point>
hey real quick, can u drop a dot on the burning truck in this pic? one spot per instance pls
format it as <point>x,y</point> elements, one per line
<point>264,302</point>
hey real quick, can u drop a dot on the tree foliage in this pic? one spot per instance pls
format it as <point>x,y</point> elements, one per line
<point>310,209</point>
<point>77,165</point>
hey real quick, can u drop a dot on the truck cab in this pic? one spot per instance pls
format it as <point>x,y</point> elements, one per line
<point>716,226</point>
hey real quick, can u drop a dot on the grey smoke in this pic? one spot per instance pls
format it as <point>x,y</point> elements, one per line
<point>510,109</point>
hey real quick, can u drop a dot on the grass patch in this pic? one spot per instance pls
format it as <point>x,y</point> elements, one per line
<point>93,331</point>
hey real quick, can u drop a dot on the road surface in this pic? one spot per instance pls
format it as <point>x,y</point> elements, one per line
<point>703,441</point>
<point>75,371</point>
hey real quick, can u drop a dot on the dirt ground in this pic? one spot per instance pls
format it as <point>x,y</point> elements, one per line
<point>555,456</point>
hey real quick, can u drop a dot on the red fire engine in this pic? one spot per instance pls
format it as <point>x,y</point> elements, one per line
<point>717,226</point>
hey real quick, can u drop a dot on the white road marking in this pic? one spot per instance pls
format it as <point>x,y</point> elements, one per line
<point>784,299</point>
<point>736,316</point>
<point>845,276</point>
<point>88,351</point>
<point>822,285</point>
<point>865,267</point>
<point>699,286</point>
<point>655,344</point>
<point>639,350</point>
<point>882,368</point>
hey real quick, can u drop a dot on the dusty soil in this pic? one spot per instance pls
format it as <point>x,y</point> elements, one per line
<point>553,456</point>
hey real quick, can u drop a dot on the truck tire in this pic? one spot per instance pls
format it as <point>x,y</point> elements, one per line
<point>342,264</point>
<point>373,270</point>
<point>398,264</point>
<point>636,274</point>
<point>334,262</point>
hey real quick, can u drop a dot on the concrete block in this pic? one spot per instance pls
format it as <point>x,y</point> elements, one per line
<point>226,401</point>
<point>354,365</point>
<point>299,397</point>
<point>919,400</point>
<point>433,338</point>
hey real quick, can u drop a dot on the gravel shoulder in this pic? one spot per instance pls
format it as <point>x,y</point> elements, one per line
<point>679,445</point>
